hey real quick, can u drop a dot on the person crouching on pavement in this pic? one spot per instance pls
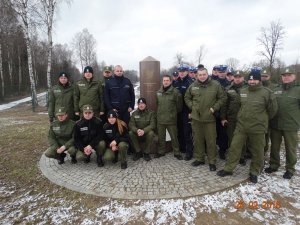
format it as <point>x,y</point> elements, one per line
<point>87,137</point>
<point>142,125</point>
<point>115,141</point>
<point>61,137</point>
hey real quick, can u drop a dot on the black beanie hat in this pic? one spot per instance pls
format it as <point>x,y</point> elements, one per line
<point>112,114</point>
<point>88,69</point>
<point>63,74</point>
<point>254,75</point>
<point>141,100</point>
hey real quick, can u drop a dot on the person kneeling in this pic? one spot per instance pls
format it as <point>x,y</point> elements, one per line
<point>87,137</point>
<point>142,125</point>
<point>115,139</point>
<point>61,137</point>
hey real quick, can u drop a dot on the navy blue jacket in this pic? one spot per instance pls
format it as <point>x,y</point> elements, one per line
<point>119,94</point>
<point>182,86</point>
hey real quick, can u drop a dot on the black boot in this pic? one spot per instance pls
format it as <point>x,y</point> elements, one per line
<point>61,158</point>
<point>147,157</point>
<point>87,159</point>
<point>100,161</point>
<point>115,160</point>
<point>73,160</point>
<point>137,156</point>
<point>123,165</point>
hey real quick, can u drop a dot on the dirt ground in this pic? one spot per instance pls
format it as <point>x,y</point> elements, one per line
<point>27,197</point>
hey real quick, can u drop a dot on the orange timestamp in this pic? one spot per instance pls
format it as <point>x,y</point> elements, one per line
<point>265,204</point>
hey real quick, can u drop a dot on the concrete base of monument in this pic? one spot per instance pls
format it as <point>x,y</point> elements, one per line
<point>165,177</point>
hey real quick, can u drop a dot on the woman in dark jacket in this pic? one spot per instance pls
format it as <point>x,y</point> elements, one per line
<point>115,139</point>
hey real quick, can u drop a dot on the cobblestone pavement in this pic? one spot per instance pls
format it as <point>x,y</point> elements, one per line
<point>165,177</point>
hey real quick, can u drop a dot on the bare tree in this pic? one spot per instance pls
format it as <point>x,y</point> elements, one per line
<point>48,9</point>
<point>271,40</point>
<point>200,54</point>
<point>7,28</point>
<point>178,58</point>
<point>233,63</point>
<point>85,44</point>
<point>25,9</point>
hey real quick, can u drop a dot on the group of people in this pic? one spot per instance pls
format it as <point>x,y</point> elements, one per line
<point>228,112</point>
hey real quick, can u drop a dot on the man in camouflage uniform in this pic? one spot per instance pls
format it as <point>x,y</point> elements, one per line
<point>230,110</point>
<point>61,95</point>
<point>169,104</point>
<point>266,82</point>
<point>204,97</point>
<point>141,129</point>
<point>285,124</point>
<point>61,138</point>
<point>107,75</point>
<point>88,91</point>
<point>258,104</point>
<point>222,139</point>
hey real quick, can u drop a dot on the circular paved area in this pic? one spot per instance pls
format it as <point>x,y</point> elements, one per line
<point>165,177</point>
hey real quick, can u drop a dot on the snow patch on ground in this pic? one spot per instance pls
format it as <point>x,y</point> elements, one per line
<point>40,97</point>
<point>271,188</point>
<point>8,121</point>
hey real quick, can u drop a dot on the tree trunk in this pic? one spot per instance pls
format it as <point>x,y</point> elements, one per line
<point>50,13</point>
<point>30,68</point>
<point>10,62</point>
<point>1,74</point>
<point>20,70</point>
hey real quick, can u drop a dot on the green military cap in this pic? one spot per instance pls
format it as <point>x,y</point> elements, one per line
<point>265,73</point>
<point>107,68</point>
<point>239,73</point>
<point>288,71</point>
<point>61,111</point>
<point>87,108</point>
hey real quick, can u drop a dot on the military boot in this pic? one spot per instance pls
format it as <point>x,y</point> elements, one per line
<point>115,160</point>
<point>87,159</point>
<point>137,156</point>
<point>123,165</point>
<point>100,161</point>
<point>73,159</point>
<point>61,158</point>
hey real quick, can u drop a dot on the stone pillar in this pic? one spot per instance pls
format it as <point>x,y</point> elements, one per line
<point>149,80</point>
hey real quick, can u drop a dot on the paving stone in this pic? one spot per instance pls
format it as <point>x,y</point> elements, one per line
<point>165,177</point>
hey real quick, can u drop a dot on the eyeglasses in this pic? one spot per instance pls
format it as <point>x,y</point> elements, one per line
<point>118,71</point>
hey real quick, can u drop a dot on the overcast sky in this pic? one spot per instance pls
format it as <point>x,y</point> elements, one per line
<point>127,31</point>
